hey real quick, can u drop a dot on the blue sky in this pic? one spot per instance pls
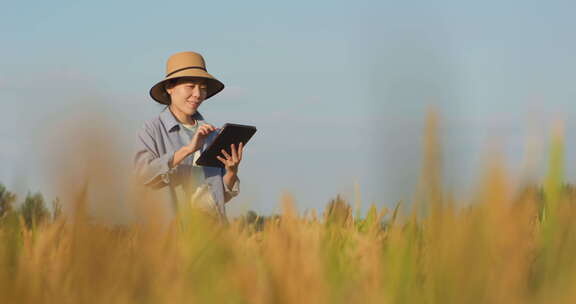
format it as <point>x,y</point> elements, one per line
<point>338,90</point>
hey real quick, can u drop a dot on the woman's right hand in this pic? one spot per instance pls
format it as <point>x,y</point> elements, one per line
<point>198,138</point>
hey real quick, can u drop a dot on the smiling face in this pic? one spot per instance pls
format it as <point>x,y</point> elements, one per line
<point>186,95</point>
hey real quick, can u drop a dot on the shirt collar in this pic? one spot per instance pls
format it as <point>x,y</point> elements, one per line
<point>170,122</point>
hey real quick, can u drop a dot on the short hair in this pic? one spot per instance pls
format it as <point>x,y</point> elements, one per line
<point>170,83</point>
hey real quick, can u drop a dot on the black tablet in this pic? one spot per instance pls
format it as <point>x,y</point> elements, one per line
<point>229,134</point>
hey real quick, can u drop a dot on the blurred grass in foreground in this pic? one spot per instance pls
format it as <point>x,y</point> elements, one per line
<point>498,246</point>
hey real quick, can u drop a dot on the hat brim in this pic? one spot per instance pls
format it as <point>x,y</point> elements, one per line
<point>214,86</point>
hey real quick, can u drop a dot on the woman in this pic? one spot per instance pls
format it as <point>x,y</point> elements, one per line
<point>169,144</point>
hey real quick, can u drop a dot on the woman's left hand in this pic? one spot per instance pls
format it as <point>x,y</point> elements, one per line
<point>231,162</point>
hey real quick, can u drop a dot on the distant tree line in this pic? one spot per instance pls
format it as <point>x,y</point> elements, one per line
<point>33,210</point>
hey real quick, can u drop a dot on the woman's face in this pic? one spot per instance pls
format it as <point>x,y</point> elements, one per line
<point>187,95</point>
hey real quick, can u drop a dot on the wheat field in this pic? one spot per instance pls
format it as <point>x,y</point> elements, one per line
<point>498,246</point>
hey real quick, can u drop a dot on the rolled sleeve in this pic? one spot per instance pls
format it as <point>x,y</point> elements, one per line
<point>234,191</point>
<point>152,169</point>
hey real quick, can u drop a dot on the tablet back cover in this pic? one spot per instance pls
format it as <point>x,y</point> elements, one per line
<point>229,134</point>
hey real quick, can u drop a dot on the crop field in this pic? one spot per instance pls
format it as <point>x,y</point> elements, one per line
<point>500,244</point>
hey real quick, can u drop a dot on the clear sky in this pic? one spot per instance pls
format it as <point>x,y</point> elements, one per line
<point>337,90</point>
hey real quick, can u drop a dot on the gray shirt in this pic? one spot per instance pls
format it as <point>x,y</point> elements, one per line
<point>157,141</point>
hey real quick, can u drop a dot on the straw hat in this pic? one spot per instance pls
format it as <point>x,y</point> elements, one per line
<point>185,64</point>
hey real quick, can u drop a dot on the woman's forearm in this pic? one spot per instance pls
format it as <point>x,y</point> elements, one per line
<point>180,155</point>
